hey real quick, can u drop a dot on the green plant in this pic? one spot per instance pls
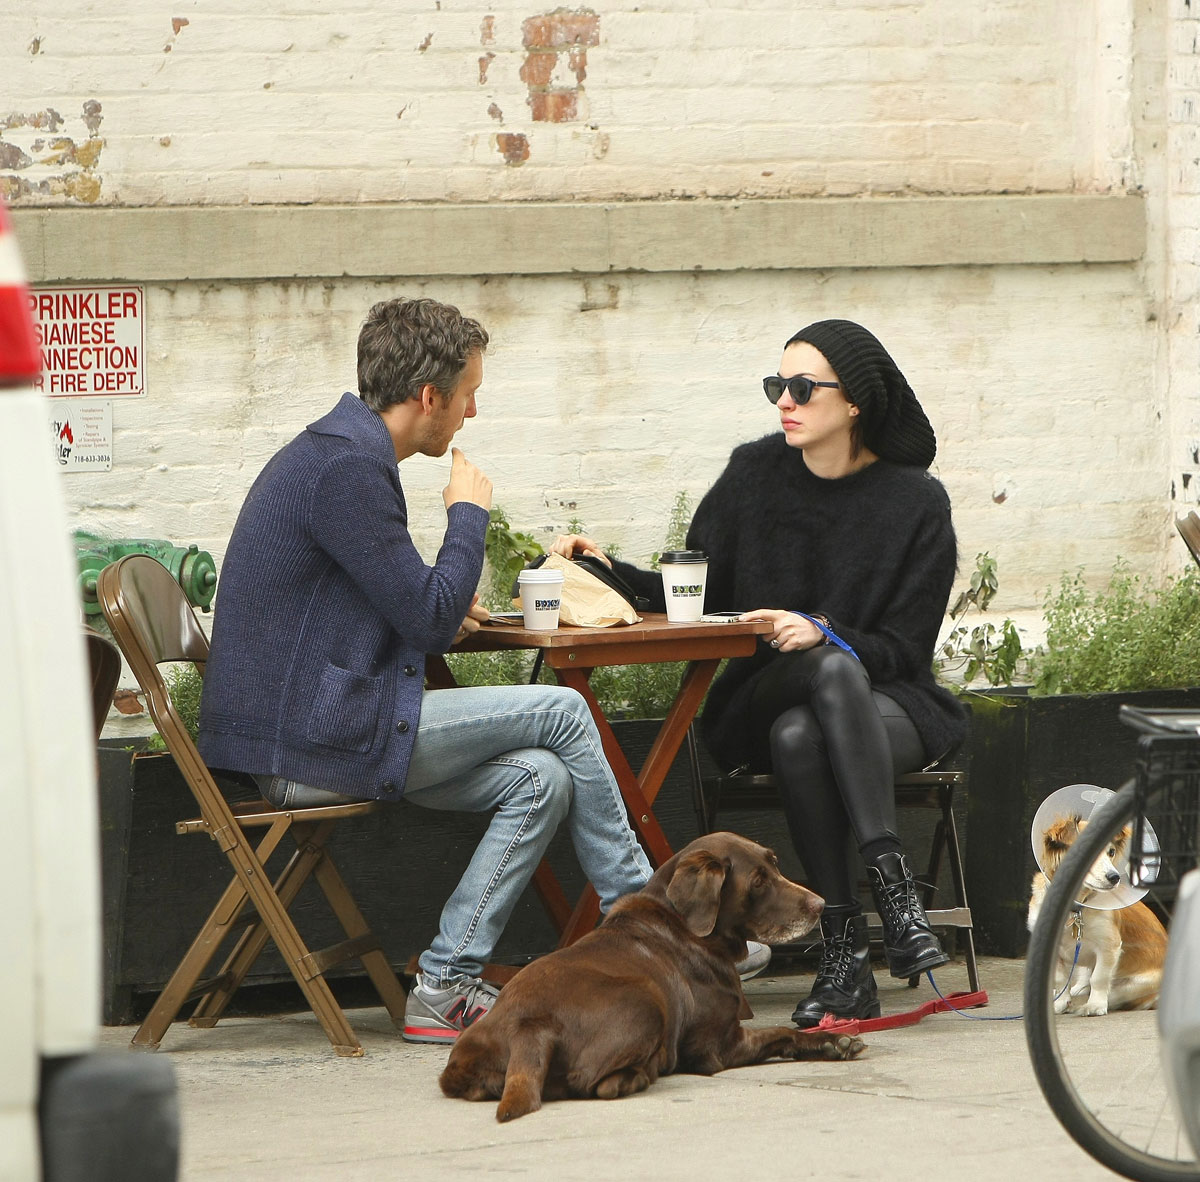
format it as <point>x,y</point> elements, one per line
<point>507,551</point>
<point>1132,635</point>
<point>987,650</point>
<point>677,526</point>
<point>185,685</point>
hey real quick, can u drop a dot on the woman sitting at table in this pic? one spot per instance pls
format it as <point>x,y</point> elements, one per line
<point>836,517</point>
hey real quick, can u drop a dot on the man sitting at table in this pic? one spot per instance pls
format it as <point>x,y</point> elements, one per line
<point>315,681</point>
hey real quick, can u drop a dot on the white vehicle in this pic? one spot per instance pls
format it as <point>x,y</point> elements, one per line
<point>66,1111</point>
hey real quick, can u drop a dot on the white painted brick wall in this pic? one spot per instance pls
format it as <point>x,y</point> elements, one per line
<point>405,100</point>
<point>1182,302</point>
<point>1062,427</point>
<point>1042,426</point>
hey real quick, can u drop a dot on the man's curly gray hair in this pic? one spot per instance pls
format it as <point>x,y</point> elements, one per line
<point>407,344</point>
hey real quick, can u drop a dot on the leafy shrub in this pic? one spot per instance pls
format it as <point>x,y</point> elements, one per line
<point>1130,636</point>
<point>185,684</point>
<point>987,650</point>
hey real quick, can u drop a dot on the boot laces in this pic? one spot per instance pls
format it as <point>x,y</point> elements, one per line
<point>900,900</point>
<point>837,955</point>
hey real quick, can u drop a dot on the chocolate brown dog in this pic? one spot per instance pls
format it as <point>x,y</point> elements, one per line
<point>650,992</point>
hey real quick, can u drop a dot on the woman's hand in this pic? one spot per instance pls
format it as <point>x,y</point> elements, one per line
<point>569,545</point>
<point>475,616</point>
<point>790,632</point>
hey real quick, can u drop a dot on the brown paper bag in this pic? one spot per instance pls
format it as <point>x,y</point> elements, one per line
<point>586,601</point>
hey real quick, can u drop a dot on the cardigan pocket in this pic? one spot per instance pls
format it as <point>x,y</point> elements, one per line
<point>345,710</point>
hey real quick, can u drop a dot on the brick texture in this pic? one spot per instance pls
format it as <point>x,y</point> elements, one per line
<point>409,100</point>
<point>1067,399</point>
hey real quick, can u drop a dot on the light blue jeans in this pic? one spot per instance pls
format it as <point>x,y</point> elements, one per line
<point>532,753</point>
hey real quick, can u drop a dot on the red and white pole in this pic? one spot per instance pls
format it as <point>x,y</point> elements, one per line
<point>20,357</point>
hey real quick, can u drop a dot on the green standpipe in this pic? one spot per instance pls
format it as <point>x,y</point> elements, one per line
<point>192,568</point>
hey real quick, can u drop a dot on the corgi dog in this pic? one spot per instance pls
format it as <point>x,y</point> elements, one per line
<point>1121,950</point>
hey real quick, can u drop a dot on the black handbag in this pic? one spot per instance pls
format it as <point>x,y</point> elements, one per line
<point>606,575</point>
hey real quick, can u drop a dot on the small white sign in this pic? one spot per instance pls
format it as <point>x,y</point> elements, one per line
<point>81,431</point>
<point>92,341</point>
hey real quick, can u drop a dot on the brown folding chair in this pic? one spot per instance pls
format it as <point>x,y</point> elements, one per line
<point>933,789</point>
<point>104,663</point>
<point>153,623</point>
<point>1189,530</point>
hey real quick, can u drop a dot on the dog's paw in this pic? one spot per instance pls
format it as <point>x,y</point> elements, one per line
<point>843,1046</point>
<point>1094,1009</point>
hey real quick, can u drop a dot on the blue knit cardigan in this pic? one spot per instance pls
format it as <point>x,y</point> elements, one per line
<point>326,611</point>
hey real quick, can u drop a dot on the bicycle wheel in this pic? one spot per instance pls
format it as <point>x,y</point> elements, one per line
<point>1103,1078</point>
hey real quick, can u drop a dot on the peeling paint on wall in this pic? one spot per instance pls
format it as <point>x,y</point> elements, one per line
<point>487,30</point>
<point>513,146</point>
<point>484,62</point>
<point>547,37</point>
<point>177,23</point>
<point>37,161</point>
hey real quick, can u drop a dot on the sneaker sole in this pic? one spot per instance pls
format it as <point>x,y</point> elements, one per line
<point>429,1034</point>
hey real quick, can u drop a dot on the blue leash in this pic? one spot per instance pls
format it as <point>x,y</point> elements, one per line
<point>1002,1017</point>
<point>830,635</point>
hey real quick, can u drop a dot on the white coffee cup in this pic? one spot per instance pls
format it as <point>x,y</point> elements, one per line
<point>541,596</point>
<point>683,576</point>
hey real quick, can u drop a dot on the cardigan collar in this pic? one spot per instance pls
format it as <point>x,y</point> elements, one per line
<point>353,419</point>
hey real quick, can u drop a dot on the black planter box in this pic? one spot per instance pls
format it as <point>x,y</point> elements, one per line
<point>401,863</point>
<point>1020,750</point>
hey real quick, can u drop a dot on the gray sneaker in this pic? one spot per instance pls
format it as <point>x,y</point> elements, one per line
<point>757,957</point>
<point>441,1015</point>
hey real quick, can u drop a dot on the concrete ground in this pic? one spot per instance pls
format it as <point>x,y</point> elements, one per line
<point>951,1098</point>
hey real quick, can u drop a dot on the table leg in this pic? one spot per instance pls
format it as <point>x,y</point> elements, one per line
<point>674,729</point>
<point>640,815</point>
<point>640,790</point>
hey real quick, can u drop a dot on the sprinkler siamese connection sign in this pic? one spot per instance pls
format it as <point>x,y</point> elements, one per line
<point>92,341</point>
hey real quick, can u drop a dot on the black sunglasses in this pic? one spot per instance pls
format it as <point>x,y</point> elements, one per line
<point>800,388</point>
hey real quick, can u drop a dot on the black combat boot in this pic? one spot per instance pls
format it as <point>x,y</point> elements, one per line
<point>845,986</point>
<point>908,940</point>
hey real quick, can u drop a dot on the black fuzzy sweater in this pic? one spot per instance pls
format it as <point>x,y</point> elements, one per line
<point>874,552</point>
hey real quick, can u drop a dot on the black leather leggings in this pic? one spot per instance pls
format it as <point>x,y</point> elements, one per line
<point>835,747</point>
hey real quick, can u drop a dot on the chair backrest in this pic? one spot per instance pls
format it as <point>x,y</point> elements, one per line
<point>153,623</point>
<point>104,663</point>
<point>1189,530</point>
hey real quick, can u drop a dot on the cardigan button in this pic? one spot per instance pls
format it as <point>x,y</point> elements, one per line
<point>388,788</point>
<point>410,670</point>
<point>402,727</point>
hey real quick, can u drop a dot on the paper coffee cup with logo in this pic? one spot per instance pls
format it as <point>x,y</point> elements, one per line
<point>683,575</point>
<point>541,597</point>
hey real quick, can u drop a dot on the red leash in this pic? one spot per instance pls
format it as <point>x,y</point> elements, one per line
<point>936,1005</point>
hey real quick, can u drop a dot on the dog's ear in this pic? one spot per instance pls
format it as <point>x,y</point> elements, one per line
<point>695,890</point>
<point>1063,832</point>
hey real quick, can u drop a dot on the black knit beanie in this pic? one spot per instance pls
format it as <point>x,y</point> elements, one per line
<point>893,424</point>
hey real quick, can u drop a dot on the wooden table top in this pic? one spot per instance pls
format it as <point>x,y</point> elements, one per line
<point>654,639</point>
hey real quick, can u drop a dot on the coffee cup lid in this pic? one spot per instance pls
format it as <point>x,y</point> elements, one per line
<point>675,557</point>
<point>540,575</point>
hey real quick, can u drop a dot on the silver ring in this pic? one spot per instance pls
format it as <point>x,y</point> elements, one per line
<point>774,643</point>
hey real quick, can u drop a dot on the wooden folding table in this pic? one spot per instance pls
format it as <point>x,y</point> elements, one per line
<point>573,653</point>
